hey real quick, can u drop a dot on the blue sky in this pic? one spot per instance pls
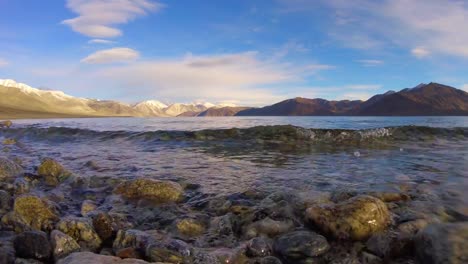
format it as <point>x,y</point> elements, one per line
<point>250,52</point>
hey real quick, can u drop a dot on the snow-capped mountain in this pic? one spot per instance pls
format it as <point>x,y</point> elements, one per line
<point>178,108</point>
<point>17,97</point>
<point>23,99</point>
<point>151,108</point>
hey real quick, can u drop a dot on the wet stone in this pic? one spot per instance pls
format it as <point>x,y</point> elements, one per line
<point>32,211</point>
<point>443,243</point>
<point>88,257</point>
<point>52,172</point>
<point>33,244</point>
<point>62,244</point>
<point>7,249</point>
<point>357,218</point>
<point>87,206</point>
<point>259,247</point>
<point>301,245</point>
<point>82,230</point>
<point>131,238</point>
<point>9,169</point>
<point>160,191</point>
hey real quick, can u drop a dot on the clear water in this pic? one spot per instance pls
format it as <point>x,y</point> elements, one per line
<point>191,124</point>
<point>436,163</point>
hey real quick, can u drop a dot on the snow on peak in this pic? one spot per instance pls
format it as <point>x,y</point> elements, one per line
<point>30,90</point>
<point>221,105</point>
<point>153,103</point>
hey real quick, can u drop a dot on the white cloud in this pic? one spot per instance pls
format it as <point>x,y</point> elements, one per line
<point>242,77</point>
<point>100,41</point>
<point>98,18</point>
<point>357,96</point>
<point>437,25</point>
<point>3,62</point>
<point>370,63</point>
<point>465,87</point>
<point>363,87</point>
<point>112,56</point>
<point>420,52</point>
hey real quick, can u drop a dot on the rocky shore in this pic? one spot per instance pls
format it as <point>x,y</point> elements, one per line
<point>50,214</point>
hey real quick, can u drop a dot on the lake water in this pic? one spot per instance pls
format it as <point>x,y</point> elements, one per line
<point>190,123</point>
<point>418,158</point>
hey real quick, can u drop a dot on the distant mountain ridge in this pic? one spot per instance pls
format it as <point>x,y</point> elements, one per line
<point>22,101</point>
<point>22,98</point>
<point>431,99</point>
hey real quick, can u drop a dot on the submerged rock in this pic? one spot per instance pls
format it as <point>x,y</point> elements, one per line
<point>9,169</point>
<point>259,247</point>
<point>357,218</point>
<point>131,239</point>
<point>6,123</point>
<point>268,227</point>
<point>300,245</point>
<point>190,227</point>
<point>33,244</point>
<point>443,243</point>
<point>161,191</point>
<point>33,212</point>
<point>88,257</point>
<point>52,172</point>
<point>87,206</point>
<point>80,229</point>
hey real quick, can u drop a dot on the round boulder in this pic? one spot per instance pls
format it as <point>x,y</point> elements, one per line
<point>161,191</point>
<point>62,244</point>
<point>52,172</point>
<point>81,229</point>
<point>301,245</point>
<point>37,213</point>
<point>33,244</point>
<point>357,218</point>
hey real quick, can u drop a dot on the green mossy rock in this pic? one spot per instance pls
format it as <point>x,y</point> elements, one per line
<point>9,169</point>
<point>31,212</point>
<point>356,219</point>
<point>82,230</point>
<point>52,172</point>
<point>161,191</point>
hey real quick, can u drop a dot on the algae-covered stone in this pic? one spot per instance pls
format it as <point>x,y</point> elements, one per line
<point>87,206</point>
<point>131,238</point>
<point>190,227</point>
<point>9,169</point>
<point>6,123</point>
<point>9,141</point>
<point>88,257</point>
<point>357,218</point>
<point>62,244</point>
<point>33,244</point>
<point>52,172</point>
<point>33,211</point>
<point>443,243</point>
<point>162,191</point>
<point>82,230</point>
<point>301,245</point>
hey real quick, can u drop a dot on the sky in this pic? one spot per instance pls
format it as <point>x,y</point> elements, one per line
<point>247,52</point>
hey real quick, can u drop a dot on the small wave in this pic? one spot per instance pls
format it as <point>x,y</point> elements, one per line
<point>258,133</point>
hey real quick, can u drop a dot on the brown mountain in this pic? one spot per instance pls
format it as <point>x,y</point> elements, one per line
<point>425,99</point>
<point>304,107</point>
<point>223,111</point>
<point>431,99</point>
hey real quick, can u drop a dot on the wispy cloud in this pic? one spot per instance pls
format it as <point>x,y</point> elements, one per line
<point>98,18</point>
<point>112,56</point>
<point>465,87</point>
<point>370,63</point>
<point>101,41</point>
<point>439,26</point>
<point>420,52</point>
<point>242,77</point>
<point>3,62</point>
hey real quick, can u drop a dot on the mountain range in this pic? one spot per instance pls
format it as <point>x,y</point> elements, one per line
<point>19,100</point>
